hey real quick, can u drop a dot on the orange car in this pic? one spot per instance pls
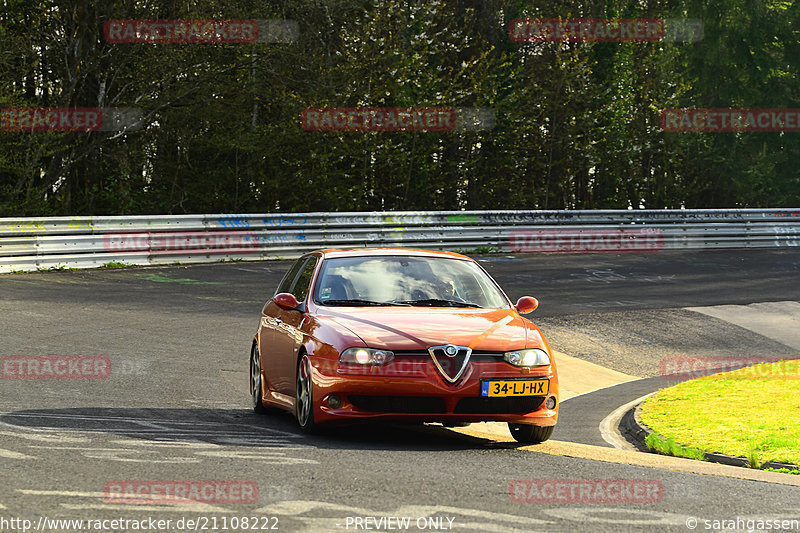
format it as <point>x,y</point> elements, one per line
<point>401,334</point>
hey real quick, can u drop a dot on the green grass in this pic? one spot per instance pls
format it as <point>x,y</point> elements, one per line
<point>114,264</point>
<point>477,251</point>
<point>783,471</point>
<point>160,278</point>
<point>669,447</point>
<point>56,268</point>
<point>753,412</point>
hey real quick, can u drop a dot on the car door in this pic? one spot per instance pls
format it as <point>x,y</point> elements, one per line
<point>270,322</point>
<point>288,337</point>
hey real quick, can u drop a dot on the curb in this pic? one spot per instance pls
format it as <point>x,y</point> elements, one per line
<point>632,430</point>
<point>636,431</point>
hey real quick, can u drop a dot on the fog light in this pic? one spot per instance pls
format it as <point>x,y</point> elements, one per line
<point>334,402</point>
<point>551,402</point>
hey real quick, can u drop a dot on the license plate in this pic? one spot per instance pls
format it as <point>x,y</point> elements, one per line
<point>515,387</point>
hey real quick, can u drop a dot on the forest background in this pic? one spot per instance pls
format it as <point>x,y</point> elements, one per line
<point>576,123</point>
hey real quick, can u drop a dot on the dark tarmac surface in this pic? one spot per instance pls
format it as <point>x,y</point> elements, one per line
<point>176,407</point>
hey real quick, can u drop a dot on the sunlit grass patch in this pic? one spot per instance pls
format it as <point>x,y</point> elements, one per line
<point>753,412</point>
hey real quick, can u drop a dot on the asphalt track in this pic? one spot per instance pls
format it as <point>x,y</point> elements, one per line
<point>175,406</point>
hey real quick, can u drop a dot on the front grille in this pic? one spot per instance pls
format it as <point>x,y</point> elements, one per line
<point>451,366</point>
<point>398,404</point>
<point>498,406</point>
<point>476,356</point>
<point>487,356</point>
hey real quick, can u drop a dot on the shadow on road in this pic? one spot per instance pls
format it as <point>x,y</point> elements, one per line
<point>237,427</point>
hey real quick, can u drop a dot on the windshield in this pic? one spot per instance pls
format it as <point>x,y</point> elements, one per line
<point>403,280</point>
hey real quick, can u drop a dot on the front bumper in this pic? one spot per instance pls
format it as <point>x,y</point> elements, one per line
<point>412,389</point>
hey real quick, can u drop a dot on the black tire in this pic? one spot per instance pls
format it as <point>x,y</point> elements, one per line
<point>304,396</point>
<point>527,434</point>
<point>255,380</point>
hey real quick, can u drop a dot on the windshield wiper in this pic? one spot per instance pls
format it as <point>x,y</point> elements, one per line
<point>358,302</point>
<point>439,301</point>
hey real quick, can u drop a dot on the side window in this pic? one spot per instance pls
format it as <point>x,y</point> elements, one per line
<point>288,279</point>
<point>300,289</point>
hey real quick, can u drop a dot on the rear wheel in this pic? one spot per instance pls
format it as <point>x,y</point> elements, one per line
<point>255,380</point>
<point>530,434</point>
<point>304,404</point>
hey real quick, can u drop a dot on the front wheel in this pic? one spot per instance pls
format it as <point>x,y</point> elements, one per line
<point>255,380</point>
<point>304,404</point>
<point>530,434</point>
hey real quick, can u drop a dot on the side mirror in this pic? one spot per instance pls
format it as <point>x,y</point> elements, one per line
<point>287,301</point>
<point>527,304</point>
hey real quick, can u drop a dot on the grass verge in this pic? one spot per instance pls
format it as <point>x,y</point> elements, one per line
<point>753,412</point>
<point>668,446</point>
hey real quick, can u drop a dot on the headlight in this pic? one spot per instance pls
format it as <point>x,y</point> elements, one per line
<point>533,357</point>
<point>366,356</point>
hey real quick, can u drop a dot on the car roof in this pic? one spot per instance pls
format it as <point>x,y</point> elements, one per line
<point>395,251</point>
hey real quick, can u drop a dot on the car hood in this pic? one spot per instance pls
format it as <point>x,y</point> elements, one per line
<point>417,328</point>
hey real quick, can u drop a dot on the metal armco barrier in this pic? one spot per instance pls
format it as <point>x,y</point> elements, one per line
<point>86,242</point>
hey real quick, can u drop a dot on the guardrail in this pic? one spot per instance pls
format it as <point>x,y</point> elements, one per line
<point>86,242</point>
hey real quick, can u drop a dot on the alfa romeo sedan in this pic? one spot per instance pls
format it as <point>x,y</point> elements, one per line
<point>401,334</point>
